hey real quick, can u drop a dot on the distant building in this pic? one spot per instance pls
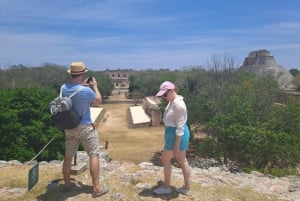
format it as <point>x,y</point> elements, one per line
<point>119,78</point>
<point>262,63</point>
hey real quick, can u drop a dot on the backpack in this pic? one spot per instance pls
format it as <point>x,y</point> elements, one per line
<point>63,115</point>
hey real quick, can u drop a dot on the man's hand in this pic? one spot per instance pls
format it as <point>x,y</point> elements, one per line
<point>90,81</point>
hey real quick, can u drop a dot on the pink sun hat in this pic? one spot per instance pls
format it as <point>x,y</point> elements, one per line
<point>164,87</point>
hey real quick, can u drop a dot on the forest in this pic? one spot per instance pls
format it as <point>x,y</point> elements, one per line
<point>248,119</point>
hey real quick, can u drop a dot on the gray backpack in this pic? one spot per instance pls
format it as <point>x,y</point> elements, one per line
<point>63,115</point>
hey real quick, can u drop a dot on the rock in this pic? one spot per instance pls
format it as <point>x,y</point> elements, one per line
<point>234,169</point>
<point>213,174</point>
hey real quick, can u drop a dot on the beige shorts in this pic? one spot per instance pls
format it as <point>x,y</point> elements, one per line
<point>87,135</point>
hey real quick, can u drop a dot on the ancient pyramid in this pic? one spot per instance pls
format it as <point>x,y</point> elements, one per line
<point>262,63</point>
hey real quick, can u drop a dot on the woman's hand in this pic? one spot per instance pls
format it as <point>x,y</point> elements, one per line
<point>176,152</point>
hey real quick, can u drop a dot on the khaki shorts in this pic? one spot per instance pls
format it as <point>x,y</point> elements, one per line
<point>84,134</point>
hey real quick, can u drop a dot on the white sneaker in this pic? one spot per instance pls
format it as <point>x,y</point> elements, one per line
<point>184,191</point>
<point>162,190</point>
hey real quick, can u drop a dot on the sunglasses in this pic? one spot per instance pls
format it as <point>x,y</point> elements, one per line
<point>165,94</point>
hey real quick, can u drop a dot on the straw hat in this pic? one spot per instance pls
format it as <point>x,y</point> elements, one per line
<point>77,68</point>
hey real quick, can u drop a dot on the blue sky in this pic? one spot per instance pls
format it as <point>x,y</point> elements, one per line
<point>143,34</point>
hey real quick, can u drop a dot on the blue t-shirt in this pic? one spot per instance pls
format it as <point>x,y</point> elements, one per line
<point>81,101</point>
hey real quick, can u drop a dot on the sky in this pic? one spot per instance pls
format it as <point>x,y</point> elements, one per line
<point>147,34</point>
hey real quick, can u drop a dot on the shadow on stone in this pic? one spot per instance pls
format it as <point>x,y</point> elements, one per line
<point>55,190</point>
<point>149,193</point>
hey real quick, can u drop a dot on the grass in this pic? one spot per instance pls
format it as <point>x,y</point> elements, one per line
<point>124,143</point>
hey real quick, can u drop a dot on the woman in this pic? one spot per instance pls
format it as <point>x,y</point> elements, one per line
<point>176,138</point>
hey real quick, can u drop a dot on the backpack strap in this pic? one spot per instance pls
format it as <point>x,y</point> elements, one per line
<point>73,94</point>
<point>60,92</point>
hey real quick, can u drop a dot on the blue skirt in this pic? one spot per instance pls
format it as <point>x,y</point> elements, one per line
<point>170,136</point>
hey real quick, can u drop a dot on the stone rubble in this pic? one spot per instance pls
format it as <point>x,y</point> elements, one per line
<point>285,187</point>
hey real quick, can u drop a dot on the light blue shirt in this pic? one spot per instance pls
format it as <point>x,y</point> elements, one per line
<point>81,101</point>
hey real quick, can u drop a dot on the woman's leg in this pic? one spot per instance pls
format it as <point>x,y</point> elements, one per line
<point>185,168</point>
<point>166,160</point>
<point>181,158</point>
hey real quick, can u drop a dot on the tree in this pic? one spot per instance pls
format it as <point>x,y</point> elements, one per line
<point>235,108</point>
<point>147,83</point>
<point>296,80</point>
<point>104,83</point>
<point>294,72</point>
<point>26,125</point>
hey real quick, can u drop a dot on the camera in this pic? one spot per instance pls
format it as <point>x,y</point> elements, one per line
<point>89,79</point>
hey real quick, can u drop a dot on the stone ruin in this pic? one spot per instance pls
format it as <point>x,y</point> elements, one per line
<point>151,107</point>
<point>262,63</point>
<point>145,115</point>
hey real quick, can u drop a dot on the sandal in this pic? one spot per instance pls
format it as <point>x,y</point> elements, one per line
<point>96,194</point>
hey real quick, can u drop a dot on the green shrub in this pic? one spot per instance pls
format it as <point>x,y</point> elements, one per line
<point>208,148</point>
<point>281,172</point>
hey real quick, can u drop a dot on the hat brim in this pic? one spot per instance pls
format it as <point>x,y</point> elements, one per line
<point>77,73</point>
<point>161,92</point>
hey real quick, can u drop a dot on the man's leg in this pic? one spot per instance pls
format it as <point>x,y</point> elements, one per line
<point>91,146</point>
<point>71,147</point>
<point>94,170</point>
<point>66,169</point>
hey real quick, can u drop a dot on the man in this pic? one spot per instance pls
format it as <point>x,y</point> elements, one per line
<point>85,132</point>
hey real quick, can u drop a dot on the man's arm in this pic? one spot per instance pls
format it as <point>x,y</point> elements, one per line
<point>98,99</point>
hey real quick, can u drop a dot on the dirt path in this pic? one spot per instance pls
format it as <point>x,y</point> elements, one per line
<point>127,144</point>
